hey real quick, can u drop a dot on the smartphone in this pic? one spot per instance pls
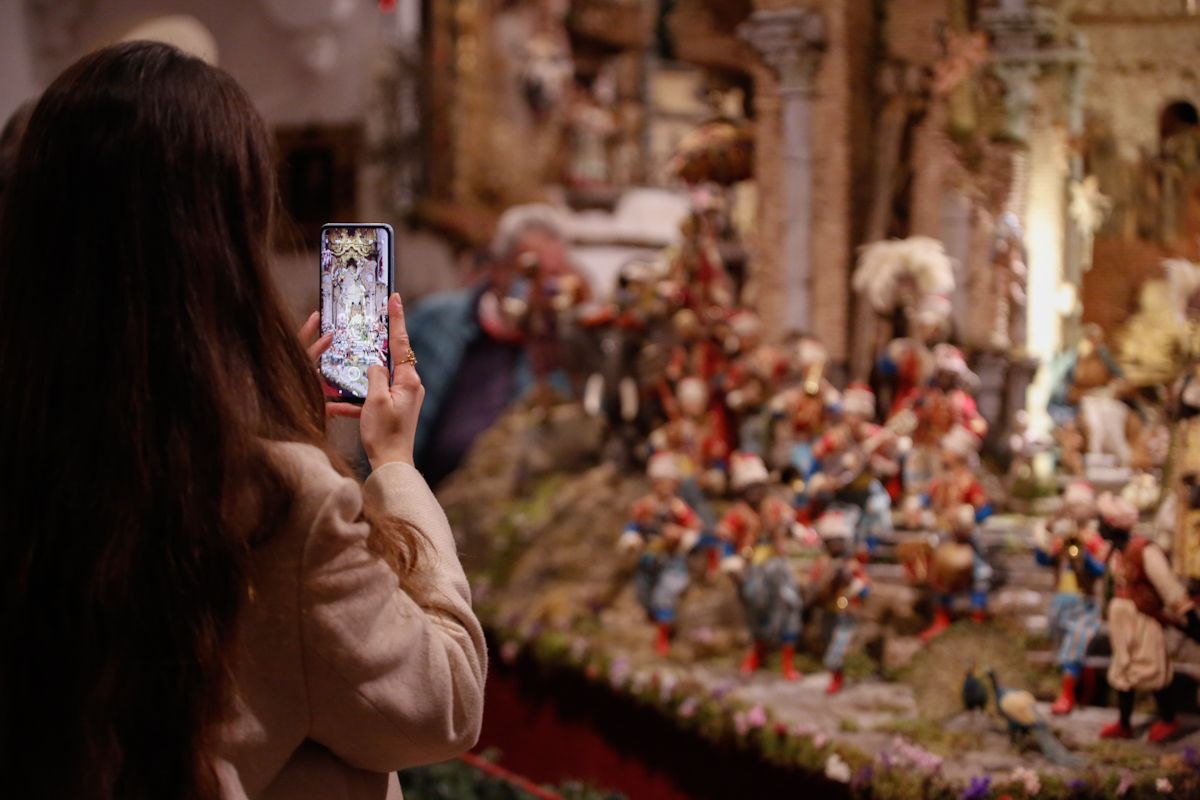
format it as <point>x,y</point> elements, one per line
<point>357,274</point>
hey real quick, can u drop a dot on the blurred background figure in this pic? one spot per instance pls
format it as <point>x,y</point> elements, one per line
<point>483,346</point>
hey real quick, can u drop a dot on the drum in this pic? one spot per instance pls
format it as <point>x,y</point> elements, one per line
<point>953,564</point>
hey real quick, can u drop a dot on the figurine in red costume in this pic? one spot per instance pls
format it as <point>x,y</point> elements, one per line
<point>838,583</point>
<point>697,267</point>
<point>758,531</point>
<point>857,457</point>
<point>907,362</point>
<point>753,377</point>
<point>941,406</point>
<point>1147,597</point>
<point>697,431</point>
<point>662,530</point>
<point>799,412</point>
<point>957,481</point>
<point>694,353</point>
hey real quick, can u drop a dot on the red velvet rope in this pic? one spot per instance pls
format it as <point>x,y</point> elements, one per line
<point>483,765</point>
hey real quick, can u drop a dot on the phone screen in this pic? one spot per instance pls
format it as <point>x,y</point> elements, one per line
<point>356,279</point>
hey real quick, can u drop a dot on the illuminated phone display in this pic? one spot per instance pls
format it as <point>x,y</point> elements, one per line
<point>356,280</point>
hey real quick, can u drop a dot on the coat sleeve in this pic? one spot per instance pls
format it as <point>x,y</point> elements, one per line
<point>1169,587</point>
<point>395,676</point>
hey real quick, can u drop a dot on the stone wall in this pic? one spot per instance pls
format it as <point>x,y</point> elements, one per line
<point>1137,70</point>
<point>1144,57</point>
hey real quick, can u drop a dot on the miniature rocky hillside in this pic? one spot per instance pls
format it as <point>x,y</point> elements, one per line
<point>537,514</point>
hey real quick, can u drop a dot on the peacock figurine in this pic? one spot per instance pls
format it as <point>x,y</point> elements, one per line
<point>1019,710</point>
<point>974,693</point>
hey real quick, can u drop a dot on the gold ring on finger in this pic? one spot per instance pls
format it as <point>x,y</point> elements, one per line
<point>409,358</point>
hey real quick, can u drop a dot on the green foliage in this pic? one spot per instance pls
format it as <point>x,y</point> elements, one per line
<point>934,736</point>
<point>1120,754</point>
<point>860,666</point>
<point>898,784</point>
<point>522,517</point>
<point>455,780</point>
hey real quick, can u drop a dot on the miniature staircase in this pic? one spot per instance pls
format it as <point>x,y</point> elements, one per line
<point>1022,590</point>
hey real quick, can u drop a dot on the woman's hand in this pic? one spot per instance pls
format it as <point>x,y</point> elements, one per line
<point>389,416</point>
<point>316,346</point>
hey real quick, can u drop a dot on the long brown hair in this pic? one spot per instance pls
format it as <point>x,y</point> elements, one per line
<point>146,359</point>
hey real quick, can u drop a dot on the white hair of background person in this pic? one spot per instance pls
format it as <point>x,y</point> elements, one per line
<point>519,220</point>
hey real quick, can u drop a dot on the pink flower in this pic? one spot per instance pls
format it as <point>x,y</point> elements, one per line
<point>756,717</point>
<point>1027,778</point>
<point>909,754</point>
<point>509,651</point>
<point>740,724</point>
<point>618,672</point>
<point>1125,784</point>
<point>820,740</point>
<point>687,708</point>
<point>805,730</point>
<point>1163,786</point>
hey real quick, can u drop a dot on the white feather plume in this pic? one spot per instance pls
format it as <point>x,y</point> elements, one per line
<point>898,271</point>
<point>1183,277</point>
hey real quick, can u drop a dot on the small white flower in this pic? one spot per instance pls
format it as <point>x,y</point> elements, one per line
<point>836,769</point>
<point>1163,786</point>
<point>666,687</point>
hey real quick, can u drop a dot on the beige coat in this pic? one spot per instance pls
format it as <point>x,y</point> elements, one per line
<point>343,677</point>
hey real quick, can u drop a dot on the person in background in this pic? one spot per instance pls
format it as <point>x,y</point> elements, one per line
<point>198,601</point>
<point>472,344</point>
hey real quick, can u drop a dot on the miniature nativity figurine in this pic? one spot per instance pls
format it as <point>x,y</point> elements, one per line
<point>1147,598</point>
<point>838,583</point>
<point>662,530</point>
<point>958,568</point>
<point>1070,544</point>
<point>758,531</point>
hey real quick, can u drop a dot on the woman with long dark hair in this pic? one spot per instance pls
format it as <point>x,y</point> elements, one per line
<point>197,601</point>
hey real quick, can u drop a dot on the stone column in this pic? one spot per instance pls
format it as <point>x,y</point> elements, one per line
<point>1031,54</point>
<point>790,42</point>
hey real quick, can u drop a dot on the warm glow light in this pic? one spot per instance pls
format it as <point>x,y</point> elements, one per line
<point>1068,298</point>
<point>1044,229</point>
